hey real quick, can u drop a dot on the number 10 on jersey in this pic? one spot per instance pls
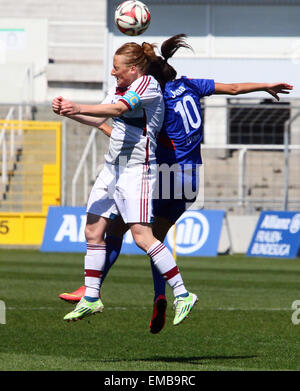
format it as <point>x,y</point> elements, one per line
<point>185,111</point>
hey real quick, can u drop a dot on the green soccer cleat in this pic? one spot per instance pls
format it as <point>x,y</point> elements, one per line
<point>183,306</point>
<point>83,309</point>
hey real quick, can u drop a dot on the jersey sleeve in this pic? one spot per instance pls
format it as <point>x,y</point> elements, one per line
<point>205,87</point>
<point>141,93</point>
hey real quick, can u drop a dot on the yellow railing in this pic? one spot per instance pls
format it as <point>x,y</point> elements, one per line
<point>26,228</point>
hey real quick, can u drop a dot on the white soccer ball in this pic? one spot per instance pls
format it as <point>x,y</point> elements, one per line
<point>132,17</point>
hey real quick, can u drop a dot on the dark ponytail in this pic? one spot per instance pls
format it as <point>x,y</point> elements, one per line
<point>171,45</point>
<point>160,69</point>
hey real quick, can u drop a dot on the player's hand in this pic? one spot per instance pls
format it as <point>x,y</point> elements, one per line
<point>278,88</point>
<point>56,104</point>
<point>69,108</point>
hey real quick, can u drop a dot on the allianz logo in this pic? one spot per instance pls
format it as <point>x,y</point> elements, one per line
<point>192,231</point>
<point>275,222</point>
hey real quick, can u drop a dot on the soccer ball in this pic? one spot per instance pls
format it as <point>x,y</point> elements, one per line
<point>132,17</point>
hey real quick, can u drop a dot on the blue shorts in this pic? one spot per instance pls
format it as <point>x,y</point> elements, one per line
<point>169,209</point>
<point>182,188</point>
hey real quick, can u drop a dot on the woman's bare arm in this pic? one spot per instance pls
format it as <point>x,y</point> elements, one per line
<point>245,88</point>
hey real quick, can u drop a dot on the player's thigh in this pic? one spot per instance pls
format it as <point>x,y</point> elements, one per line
<point>160,227</point>
<point>117,227</point>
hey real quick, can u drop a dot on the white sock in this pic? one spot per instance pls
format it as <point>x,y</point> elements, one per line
<point>94,263</point>
<point>166,265</point>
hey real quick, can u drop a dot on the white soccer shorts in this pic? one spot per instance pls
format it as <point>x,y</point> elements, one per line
<point>124,190</point>
<point>101,201</point>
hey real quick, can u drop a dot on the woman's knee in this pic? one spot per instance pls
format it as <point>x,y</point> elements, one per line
<point>92,234</point>
<point>142,236</point>
<point>95,229</point>
<point>139,240</point>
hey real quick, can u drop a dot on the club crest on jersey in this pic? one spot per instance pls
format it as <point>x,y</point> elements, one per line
<point>177,92</point>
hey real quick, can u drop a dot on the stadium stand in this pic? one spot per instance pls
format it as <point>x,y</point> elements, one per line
<point>76,38</point>
<point>33,181</point>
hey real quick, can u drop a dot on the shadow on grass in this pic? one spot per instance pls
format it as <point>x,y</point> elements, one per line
<point>189,360</point>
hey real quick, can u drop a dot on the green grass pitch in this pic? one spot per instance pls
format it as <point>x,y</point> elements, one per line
<point>241,322</point>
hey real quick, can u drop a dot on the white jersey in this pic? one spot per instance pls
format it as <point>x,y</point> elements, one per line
<point>133,138</point>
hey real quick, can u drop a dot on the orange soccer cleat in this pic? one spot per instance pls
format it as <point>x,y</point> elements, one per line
<point>159,314</point>
<point>73,297</point>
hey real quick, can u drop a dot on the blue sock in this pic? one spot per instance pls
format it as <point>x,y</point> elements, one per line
<point>113,248</point>
<point>184,295</point>
<point>91,299</point>
<point>158,282</point>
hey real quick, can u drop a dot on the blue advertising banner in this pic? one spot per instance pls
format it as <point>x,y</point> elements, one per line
<point>277,234</point>
<point>197,232</point>
<point>64,231</point>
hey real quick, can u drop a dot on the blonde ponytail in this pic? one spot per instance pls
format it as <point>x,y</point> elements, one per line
<point>149,51</point>
<point>138,55</point>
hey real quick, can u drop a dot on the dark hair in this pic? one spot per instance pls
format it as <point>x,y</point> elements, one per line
<point>159,67</point>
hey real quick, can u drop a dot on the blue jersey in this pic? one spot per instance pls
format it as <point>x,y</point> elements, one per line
<point>182,131</point>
